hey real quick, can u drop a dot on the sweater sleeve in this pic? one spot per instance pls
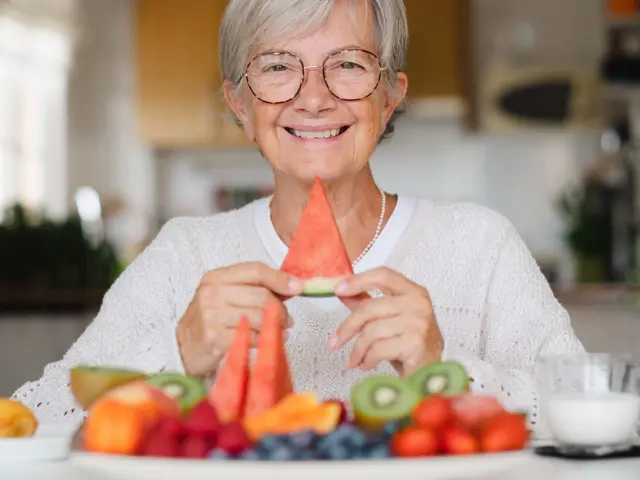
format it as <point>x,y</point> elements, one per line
<point>523,320</point>
<point>134,328</point>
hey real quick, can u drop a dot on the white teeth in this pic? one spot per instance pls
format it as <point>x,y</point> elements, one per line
<point>317,134</point>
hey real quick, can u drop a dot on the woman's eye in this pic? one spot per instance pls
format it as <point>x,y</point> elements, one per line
<point>275,68</point>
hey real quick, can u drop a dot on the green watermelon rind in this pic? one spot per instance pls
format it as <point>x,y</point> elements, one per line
<point>320,287</point>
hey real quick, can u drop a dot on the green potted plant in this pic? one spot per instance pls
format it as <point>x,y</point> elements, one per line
<point>46,265</point>
<point>588,231</point>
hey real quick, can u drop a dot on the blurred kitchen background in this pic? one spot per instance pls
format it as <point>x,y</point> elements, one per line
<point>111,123</point>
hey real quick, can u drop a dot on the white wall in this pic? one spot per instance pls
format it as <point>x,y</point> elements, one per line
<point>104,149</point>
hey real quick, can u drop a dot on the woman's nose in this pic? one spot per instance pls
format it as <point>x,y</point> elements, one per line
<point>314,96</point>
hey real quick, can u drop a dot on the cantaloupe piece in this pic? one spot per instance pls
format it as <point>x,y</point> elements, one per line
<point>317,255</point>
<point>229,392</point>
<point>321,418</point>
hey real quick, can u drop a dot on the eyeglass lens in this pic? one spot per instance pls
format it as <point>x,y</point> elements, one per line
<point>278,77</point>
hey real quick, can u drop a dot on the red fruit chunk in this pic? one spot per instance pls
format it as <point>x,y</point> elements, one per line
<point>472,410</point>
<point>196,446</point>
<point>414,442</point>
<point>433,412</point>
<point>505,432</point>
<point>203,420</point>
<point>160,445</point>
<point>171,427</point>
<point>344,413</point>
<point>456,440</point>
<point>233,439</point>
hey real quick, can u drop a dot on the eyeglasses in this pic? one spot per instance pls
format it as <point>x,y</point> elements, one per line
<point>277,77</point>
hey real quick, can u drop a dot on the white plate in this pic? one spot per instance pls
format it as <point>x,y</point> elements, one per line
<point>143,468</point>
<point>49,443</point>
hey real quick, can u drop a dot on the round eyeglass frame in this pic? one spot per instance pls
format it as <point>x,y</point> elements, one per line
<point>245,75</point>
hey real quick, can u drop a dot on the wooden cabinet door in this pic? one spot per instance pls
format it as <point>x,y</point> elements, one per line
<point>436,62</point>
<point>178,72</point>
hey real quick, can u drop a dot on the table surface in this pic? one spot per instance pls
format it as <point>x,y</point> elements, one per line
<point>537,468</point>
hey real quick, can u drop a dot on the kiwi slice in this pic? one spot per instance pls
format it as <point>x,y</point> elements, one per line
<point>185,389</point>
<point>379,399</point>
<point>443,378</point>
<point>88,383</point>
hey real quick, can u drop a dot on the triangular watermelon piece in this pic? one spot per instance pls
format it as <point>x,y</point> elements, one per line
<point>270,378</point>
<point>228,394</point>
<point>316,254</point>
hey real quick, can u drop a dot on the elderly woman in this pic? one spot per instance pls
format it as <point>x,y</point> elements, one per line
<point>315,84</point>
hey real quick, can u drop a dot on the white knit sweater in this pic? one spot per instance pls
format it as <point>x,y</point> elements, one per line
<point>494,307</point>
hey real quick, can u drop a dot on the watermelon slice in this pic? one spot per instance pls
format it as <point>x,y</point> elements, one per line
<point>270,379</point>
<point>316,254</point>
<point>228,394</point>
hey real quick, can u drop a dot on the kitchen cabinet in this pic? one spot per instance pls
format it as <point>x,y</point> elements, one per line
<point>180,103</point>
<point>437,59</point>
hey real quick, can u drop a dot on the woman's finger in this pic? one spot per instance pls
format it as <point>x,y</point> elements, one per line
<point>372,333</point>
<point>388,281</point>
<point>257,274</point>
<point>386,349</point>
<point>369,310</point>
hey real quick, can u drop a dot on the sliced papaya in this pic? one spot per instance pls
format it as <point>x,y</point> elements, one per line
<point>317,255</point>
<point>228,394</point>
<point>270,378</point>
<point>296,413</point>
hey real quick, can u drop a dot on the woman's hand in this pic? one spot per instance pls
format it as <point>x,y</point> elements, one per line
<point>399,327</point>
<point>224,295</point>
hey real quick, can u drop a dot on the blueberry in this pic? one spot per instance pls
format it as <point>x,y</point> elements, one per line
<point>282,454</point>
<point>379,451</point>
<point>357,439</point>
<point>219,454</point>
<point>390,428</point>
<point>250,455</point>
<point>304,439</point>
<point>338,452</point>
<point>309,455</point>
<point>268,443</point>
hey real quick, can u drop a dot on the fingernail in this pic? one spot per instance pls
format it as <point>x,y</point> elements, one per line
<point>342,287</point>
<point>333,341</point>
<point>295,286</point>
<point>289,321</point>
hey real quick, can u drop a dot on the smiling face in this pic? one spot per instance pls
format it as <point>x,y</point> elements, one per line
<point>316,134</point>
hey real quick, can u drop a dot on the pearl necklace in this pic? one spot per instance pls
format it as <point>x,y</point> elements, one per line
<point>383,211</point>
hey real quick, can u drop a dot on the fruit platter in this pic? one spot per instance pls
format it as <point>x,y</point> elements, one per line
<point>251,420</point>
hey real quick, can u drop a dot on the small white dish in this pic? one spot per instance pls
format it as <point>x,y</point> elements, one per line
<point>48,444</point>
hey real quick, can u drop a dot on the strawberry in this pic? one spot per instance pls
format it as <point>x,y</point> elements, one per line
<point>344,415</point>
<point>171,427</point>
<point>414,441</point>
<point>472,410</point>
<point>504,432</point>
<point>456,440</point>
<point>160,444</point>
<point>433,412</point>
<point>233,439</point>
<point>203,420</point>
<point>195,446</point>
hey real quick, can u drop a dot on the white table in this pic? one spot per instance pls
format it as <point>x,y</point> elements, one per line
<point>538,468</point>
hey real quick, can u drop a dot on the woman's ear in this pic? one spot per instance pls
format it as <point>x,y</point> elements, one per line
<point>395,97</point>
<point>237,106</point>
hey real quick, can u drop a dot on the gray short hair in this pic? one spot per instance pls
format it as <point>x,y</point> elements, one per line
<point>249,22</point>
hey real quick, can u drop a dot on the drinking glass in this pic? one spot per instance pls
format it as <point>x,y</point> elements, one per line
<point>589,402</point>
